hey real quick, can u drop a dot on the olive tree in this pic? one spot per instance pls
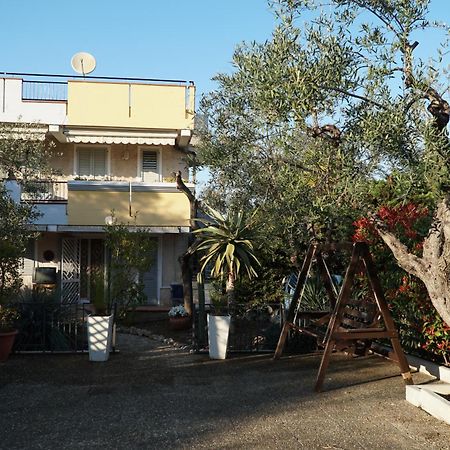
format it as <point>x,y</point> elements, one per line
<point>23,157</point>
<point>338,98</point>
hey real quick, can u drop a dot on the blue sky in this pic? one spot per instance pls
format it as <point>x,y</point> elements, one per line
<point>137,38</point>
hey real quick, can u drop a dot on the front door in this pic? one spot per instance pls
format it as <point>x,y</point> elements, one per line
<point>82,259</point>
<point>149,279</point>
<point>92,265</point>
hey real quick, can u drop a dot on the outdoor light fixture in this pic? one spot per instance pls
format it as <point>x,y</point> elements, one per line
<point>109,220</point>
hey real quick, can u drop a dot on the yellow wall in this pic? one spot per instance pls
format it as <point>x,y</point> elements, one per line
<point>153,208</point>
<point>107,105</point>
<point>61,159</point>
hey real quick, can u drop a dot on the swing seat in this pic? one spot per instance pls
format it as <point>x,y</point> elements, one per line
<point>354,320</point>
<point>359,314</point>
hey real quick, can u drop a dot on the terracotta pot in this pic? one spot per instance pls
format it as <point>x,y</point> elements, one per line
<point>6,343</point>
<point>179,323</point>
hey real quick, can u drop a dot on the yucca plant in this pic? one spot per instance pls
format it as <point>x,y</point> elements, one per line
<point>226,241</point>
<point>314,295</point>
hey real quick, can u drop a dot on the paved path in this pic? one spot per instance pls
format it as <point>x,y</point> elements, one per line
<point>153,396</point>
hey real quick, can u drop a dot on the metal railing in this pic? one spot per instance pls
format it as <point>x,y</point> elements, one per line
<point>45,191</point>
<point>51,327</point>
<point>44,90</point>
<point>53,87</point>
<point>253,328</point>
<point>90,77</point>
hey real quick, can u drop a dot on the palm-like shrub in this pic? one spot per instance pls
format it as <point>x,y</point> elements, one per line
<point>226,242</point>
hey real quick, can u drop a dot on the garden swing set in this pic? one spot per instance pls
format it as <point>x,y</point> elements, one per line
<point>352,322</point>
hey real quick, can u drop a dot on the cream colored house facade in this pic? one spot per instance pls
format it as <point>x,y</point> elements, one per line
<point>118,144</point>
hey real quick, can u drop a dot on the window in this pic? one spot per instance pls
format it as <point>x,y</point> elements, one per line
<point>150,166</point>
<point>28,259</point>
<point>92,162</point>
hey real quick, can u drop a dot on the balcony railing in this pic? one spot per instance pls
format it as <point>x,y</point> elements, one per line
<point>44,90</point>
<point>53,87</point>
<point>44,191</point>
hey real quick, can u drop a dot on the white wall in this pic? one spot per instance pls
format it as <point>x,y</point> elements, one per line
<point>13,109</point>
<point>51,214</point>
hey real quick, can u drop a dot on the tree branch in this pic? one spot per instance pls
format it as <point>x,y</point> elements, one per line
<point>383,19</point>
<point>192,200</point>
<point>182,187</point>
<point>351,94</point>
<point>432,245</point>
<point>406,260</point>
<point>330,132</point>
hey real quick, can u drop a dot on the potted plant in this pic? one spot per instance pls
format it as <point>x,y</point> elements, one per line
<point>219,321</point>
<point>226,242</point>
<point>130,254</point>
<point>99,324</point>
<point>15,234</point>
<point>8,333</point>
<point>179,318</point>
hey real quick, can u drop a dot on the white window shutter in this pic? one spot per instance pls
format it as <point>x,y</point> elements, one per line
<point>99,162</point>
<point>150,161</point>
<point>84,162</point>
<point>92,162</point>
<point>150,169</point>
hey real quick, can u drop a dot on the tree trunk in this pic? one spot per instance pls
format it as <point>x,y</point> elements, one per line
<point>185,259</point>
<point>186,275</point>
<point>231,280</point>
<point>433,268</point>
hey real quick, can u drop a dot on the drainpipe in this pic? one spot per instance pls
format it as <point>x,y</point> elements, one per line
<point>4,93</point>
<point>130,200</point>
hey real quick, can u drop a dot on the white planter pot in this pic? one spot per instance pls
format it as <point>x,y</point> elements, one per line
<point>218,330</point>
<point>100,330</point>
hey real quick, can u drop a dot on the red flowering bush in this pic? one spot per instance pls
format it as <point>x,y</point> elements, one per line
<point>437,335</point>
<point>406,221</point>
<point>421,329</point>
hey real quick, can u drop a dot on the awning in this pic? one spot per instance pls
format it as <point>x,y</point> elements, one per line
<point>95,136</point>
<point>101,229</point>
<point>119,140</point>
<point>26,132</point>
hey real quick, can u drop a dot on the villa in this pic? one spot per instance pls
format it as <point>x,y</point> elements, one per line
<point>117,144</point>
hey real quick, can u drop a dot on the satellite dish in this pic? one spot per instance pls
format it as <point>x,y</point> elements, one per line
<point>83,63</point>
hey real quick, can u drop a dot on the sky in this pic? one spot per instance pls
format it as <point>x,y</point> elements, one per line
<point>168,39</point>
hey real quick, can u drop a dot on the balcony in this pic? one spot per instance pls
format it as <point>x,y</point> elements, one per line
<point>88,204</point>
<point>97,102</point>
<point>44,90</point>
<point>49,199</point>
<point>139,204</point>
<point>130,105</point>
<point>45,191</point>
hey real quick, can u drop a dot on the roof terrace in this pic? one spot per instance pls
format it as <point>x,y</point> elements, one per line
<point>91,101</point>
